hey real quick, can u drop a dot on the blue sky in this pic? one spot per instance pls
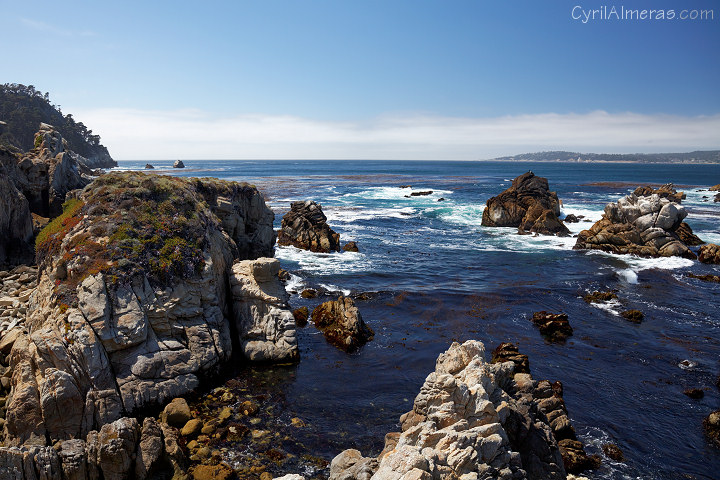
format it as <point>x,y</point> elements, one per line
<point>440,79</point>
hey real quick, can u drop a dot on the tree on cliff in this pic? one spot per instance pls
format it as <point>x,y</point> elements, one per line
<point>23,108</point>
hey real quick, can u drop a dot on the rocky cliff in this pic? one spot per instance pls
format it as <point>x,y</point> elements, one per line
<point>134,302</point>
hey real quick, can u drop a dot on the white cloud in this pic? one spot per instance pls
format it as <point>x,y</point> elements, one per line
<point>52,29</point>
<point>191,134</point>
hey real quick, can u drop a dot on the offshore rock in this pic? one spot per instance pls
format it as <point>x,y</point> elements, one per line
<point>529,205</point>
<point>341,323</point>
<point>641,225</point>
<point>666,191</point>
<point>471,420</point>
<point>178,164</point>
<point>709,253</point>
<point>553,326</point>
<point>132,306</point>
<point>263,319</point>
<point>305,226</point>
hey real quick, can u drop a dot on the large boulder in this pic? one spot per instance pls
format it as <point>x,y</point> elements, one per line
<point>641,225</point>
<point>529,205</point>
<point>341,323</point>
<point>133,305</point>
<point>263,318</point>
<point>471,419</point>
<point>305,226</point>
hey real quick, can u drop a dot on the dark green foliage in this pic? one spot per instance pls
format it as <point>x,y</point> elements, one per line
<point>24,108</point>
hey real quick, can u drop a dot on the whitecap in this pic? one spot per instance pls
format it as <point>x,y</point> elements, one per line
<point>612,306</point>
<point>349,215</point>
<point>397,193</point>
<point>335,289</point>
<point>324,263</point>
<point>628,275</point>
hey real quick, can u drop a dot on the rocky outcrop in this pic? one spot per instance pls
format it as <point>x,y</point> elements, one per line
<point>471,419</point>
<point>640,225</point>
<point>553,326</point>
<point>665,191</point>
<point>305,226</point>
<point>119,450</point>
<point>133,303</point>
<point>351,247</point>
<point>178,164</point>
<point>711,425</point>
<point>709,253</point>
<point>687,236</point>
<point>507,352</point>
<point>529,205</point>
<point>715,188</point>
<point>341,323</point>
<point>263,319</point>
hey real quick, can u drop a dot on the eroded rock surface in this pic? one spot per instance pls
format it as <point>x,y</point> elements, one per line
<point>305,226</point>
<point>529,205</point>
<point>471,420</point>
<point>263,318</point>
<point>709,253</point>
<point>641,225</point>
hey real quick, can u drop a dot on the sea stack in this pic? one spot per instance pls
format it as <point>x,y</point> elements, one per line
<point>178,164</point>
<point>305,226</point>
<point>528,205</point>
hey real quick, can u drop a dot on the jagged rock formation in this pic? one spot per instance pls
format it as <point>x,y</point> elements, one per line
<point>665,191</point>
<point>687,236</point>
<point>640,225</point>
<point>263,318</point>
<point>119,450</point>
<point>305,226</point>
<point>341,323</point>
<point>529,205</point>
<point>709,253</point>
<point>133,302</point>
<point>178,164</point>
<point>16,227</point>
<point>471,419</point>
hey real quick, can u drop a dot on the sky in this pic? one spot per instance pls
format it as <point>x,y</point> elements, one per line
<point>387,79</point>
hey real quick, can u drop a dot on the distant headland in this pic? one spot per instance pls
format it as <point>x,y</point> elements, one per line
<point>705,156</point>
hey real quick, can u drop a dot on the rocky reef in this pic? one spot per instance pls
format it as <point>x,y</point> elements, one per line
<point>645,225</point>
<point>474,420</point>
<point>305,226</point>
<point>135,291</point>
<point>528,205</point>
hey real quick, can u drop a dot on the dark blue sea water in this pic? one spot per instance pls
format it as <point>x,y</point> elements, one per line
<point>436,275</point>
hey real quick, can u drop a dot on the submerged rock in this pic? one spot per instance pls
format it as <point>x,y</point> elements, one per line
<point>305,226</point>
<point>341,323</point>
<point>149,166</point>
<point>598,296</point>
<point>634,316</point>
<point>640,225</point>
<point>709,253</point>
<point>529,205</point>
<point>613,452</point>
<point>471,419</point>
<point>553,326</point>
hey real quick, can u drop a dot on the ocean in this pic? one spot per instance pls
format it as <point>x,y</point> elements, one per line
<point>433,275</point>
